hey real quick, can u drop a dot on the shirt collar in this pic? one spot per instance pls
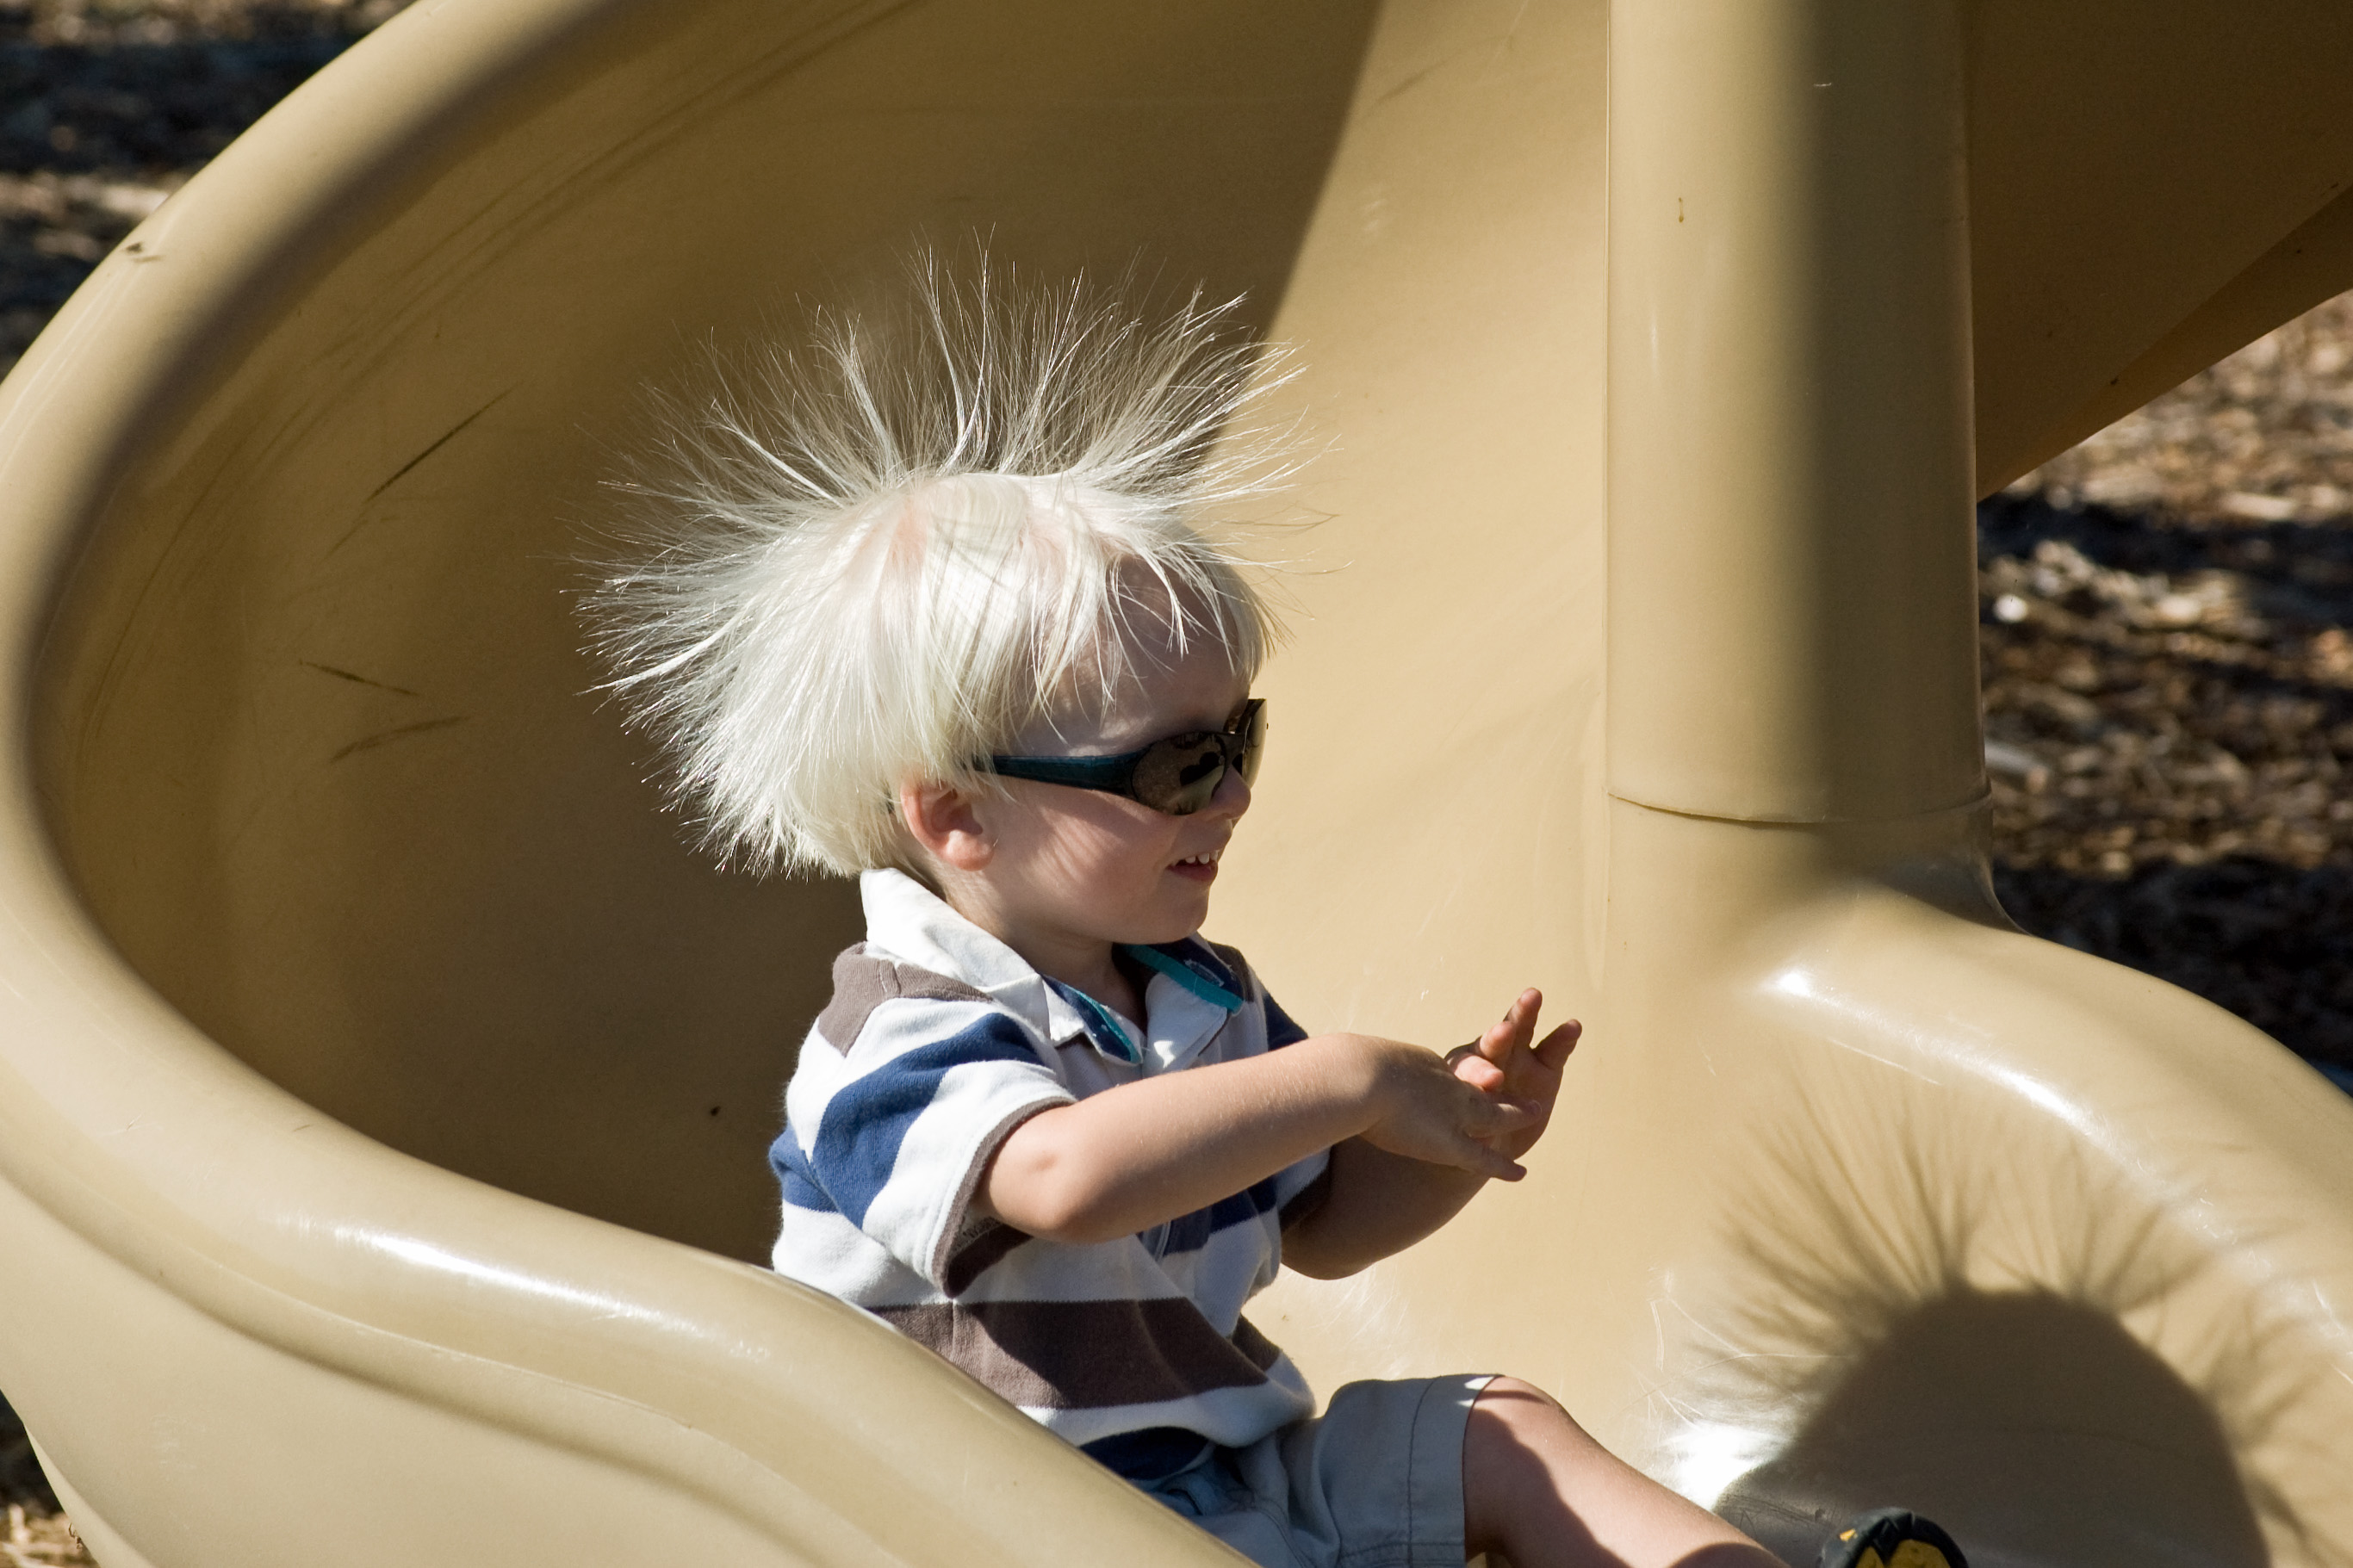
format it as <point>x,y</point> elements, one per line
<point>909,921</point>
<point>1192,994</point>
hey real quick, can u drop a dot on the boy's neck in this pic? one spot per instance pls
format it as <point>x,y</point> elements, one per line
<point>1091,967</point>
<point>1087,964</point>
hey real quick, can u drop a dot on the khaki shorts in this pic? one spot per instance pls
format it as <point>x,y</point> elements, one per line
<point>1373,1482</point>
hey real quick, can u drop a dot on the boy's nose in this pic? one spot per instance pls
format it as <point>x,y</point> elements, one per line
<point>1233,795</point>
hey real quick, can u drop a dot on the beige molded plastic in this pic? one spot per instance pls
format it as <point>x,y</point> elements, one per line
<point>383,1087</point>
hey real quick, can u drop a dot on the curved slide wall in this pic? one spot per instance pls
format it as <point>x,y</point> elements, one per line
<point>382,1086</point>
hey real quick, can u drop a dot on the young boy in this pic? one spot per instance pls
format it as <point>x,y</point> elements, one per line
<point>954,617</point>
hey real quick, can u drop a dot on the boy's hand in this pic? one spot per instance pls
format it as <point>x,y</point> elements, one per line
<point>1502,1064</point>
<point>1427,1112</point>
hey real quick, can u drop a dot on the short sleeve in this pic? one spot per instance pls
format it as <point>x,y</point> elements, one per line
<point>897,1134</point>
<point>1281,1030</point>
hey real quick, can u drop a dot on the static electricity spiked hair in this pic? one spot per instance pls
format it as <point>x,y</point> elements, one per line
<point>881,558</point>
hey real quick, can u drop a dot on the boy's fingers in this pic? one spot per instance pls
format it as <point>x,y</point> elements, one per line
<point>1480,1074</point>
<point>1504,1170</point>
<point>1503,1116</point>
<point>1513,1029</point>
<point>1480,1159</point>
<point>1553,1050</point>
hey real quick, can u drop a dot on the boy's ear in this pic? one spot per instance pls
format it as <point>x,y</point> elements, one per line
<point>940,818</point>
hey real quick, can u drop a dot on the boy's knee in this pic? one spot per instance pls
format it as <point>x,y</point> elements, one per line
<point>1518,1406</point>
<point>1510,1393</point>
<point>1524,1415</point>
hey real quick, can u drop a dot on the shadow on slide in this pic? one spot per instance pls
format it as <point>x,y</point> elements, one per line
<point>383,1085</point>
<point>1911,1354</point>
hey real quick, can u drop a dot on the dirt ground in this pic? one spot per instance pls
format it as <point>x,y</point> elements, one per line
<point>2167,660</point>
<point>2168,610</point>
<point>108,106</point>
<point>35,1531</point>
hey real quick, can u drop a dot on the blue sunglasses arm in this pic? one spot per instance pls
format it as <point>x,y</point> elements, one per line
<point>1082,773</point>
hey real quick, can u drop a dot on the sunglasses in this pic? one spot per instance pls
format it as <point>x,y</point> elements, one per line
<point>1177,775</point>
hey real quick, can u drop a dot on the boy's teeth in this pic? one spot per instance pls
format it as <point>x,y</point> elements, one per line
<point>1208,859</point>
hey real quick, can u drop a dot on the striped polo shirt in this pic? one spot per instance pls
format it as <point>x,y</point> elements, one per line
<point>938,1041</point>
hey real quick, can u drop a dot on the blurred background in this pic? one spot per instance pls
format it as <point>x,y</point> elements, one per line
<point>2166,610</point>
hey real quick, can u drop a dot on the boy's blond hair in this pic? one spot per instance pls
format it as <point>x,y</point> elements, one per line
<point>881,559</point>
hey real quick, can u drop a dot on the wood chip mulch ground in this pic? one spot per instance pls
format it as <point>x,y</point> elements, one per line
<point>2168,610</point>
<point>107,108</point>
<point>2167,660</point>
<point>33,1531</point>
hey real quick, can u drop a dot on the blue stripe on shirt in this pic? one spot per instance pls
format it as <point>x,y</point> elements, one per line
<point>1191,1232</point>
<point>1103,1031</point>
<point>866,1121</point>
<point>793,1175</point>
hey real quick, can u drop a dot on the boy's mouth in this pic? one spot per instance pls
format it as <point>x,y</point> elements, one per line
<point>1201,867</point>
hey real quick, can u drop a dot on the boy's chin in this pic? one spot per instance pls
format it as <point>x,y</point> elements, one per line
<point>1173,920</point>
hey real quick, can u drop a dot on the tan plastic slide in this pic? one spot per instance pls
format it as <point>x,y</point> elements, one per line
<point>383,1087</point>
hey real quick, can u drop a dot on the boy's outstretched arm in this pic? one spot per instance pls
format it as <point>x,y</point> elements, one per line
<point>1382,1202</point>
<point>1136,1156</point>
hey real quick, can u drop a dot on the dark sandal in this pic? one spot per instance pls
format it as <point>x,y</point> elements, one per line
<point>1892,1538</point>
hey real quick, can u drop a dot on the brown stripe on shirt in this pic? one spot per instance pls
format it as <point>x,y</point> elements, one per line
<point>1080,1355</point>
<point>976,1255</point>
<point>1264,1353</point>
<point>862,983</point>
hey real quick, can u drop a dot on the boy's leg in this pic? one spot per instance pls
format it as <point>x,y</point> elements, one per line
<point>1537,1490</point>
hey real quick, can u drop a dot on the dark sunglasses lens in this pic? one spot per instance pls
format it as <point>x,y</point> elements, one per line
<point>1180,774</point>
<point>1253,742</point>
